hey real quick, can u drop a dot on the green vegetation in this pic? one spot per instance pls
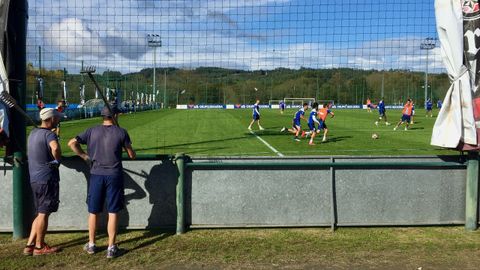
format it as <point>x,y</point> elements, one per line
<point>311,248</point>
<point>210,85</point>
<point>224,133</point>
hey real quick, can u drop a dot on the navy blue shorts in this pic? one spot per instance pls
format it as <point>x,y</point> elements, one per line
<point>311,127</point>
<point>109,187</point>
<point>406,118</point>
<point>322,125</point>
<point>381,113</point>
<point>46,196</point>
<point>296,125</point>
<point>256,117</point>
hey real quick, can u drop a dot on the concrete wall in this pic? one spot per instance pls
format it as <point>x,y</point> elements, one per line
<point>266,196</point>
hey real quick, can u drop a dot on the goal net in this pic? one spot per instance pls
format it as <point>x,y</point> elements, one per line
<point>297,102</point>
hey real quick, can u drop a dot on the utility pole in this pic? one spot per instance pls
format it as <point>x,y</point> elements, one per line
<point>427,44</point>
<point>154,41</point>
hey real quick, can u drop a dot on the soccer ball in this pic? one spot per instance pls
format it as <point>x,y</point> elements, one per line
<point>374,136</point>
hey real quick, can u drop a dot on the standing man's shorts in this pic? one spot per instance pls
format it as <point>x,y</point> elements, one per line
<point>256,117</point>
<point>46,196</point>
<point>106,187</point>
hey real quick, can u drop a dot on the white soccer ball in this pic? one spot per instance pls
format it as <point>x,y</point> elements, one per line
<point>374,136</point>
<point>256,89</point>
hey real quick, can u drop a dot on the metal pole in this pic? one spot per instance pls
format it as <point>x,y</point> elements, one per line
<point>471,193</point>
<point>16,69</point>
<point>180,161</point>
<point>165,89</point>
<point>154,65</point>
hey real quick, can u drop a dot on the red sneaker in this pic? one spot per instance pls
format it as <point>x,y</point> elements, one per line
<point>28,250</point>
<point>311,143</point>
<point>46,249</point>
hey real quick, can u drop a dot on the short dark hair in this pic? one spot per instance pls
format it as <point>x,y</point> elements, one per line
<point>315,105</point>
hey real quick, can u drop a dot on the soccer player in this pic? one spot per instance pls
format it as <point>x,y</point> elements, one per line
<point>369,105</point>
<point>439,104</point>
<point>282,106</point>
<point>322,115</point>
<point>296,127</point>
<point>413,112</point>
<point>406,114</point>
<point>382,113</point>
<point>312,119</point>
<point>256,115</point>
<point>428,107</point>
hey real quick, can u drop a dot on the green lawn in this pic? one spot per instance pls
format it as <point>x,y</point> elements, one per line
<point>307,248</point>
<point>224,133</point>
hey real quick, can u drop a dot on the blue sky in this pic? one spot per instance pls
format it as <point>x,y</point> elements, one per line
<point>244,34</point>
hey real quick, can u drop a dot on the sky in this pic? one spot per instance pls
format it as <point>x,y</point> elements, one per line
<point>237,34</point>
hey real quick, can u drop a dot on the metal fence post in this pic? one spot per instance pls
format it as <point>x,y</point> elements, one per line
<point>180,161</point>
<point>471,193</point>
<point>333,196</point>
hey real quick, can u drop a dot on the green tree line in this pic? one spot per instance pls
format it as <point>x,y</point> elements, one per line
<point>212,85</point>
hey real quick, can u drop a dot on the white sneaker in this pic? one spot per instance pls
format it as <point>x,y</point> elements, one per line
<point>395,128</point>
<point>283,129</point>
<point>249,128</point>
<point>261,128</point>
<point>376,123</point>
<point>387,124</point>
<point>406,128</point>
<point>324,139</point>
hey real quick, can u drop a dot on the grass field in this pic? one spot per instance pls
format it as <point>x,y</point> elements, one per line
<point>308,248</point>
<point>225,133</point>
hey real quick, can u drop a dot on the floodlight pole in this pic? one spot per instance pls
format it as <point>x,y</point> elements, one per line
<point>427,44</point>
<point>154,41</point>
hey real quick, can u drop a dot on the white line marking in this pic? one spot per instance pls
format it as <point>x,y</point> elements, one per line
<point>267,144</point>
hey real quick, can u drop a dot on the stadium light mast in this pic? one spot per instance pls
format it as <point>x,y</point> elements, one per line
<point>427,44</point>
<point>154,41</point>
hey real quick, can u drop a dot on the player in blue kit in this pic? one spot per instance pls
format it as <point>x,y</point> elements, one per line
<point>428,108</point>
<point>312,119</point>
<point>296,126</point>
<point>282,106</point>
<point>256,116</point>
<point>382,113</point>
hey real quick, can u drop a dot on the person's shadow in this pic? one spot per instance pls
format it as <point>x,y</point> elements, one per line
<point>138,193</point>
<point>161,184</point>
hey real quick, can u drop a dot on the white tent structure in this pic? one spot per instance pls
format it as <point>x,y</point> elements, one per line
<point>455,124</point>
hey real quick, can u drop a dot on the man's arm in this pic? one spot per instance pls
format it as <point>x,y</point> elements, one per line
<point>131,153</point>
<point>77,149</point>
<point>56,151</point>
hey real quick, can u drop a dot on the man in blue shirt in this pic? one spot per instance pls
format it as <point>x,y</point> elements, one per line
<point>428,108</point>
<point>44,155</point>
<point>439,104</point>
<point>382,113</point>
<point>296,126</point>
<point>104,147</point>
<point>256,116</point>
<point>282,106</point>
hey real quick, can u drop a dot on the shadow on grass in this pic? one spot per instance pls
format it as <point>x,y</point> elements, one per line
<point>148,238</point>
<point>335,139</point>
<point>192,143</point>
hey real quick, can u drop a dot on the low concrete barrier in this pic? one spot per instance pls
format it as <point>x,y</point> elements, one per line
<point>270,192</point>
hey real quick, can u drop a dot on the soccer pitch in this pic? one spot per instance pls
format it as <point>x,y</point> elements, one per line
<point>224,133</point>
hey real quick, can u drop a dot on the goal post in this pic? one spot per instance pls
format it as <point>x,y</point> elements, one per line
<point>298,102</point>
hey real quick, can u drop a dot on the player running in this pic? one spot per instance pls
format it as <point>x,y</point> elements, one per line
<point>312,119</point>
<point>256,115</point>
<point>369,105</point>
<point>428,107</point>
<point>406,114</point>
<point>296,126</point>
<point>382,113</point>
<point>282,106</point>
<point>322,115</point>
<point>413,112</point>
